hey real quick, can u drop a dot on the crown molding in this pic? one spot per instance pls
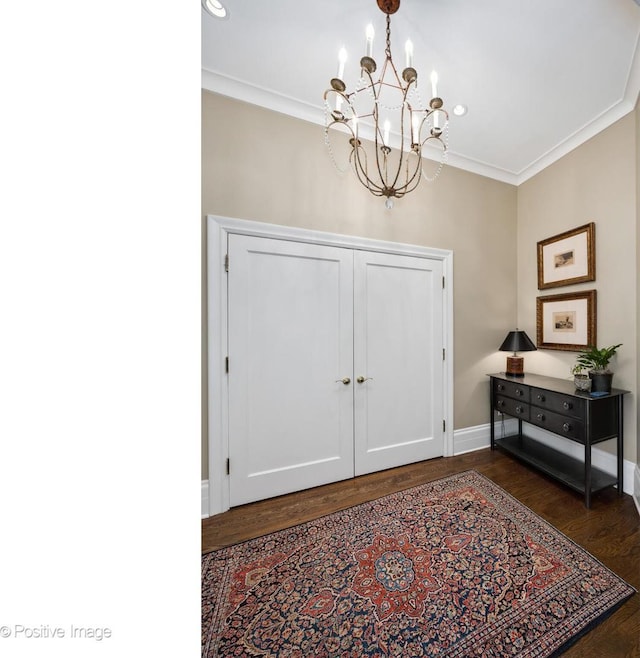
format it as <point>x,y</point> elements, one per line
<point>255,95</point>
<point>239,90</point>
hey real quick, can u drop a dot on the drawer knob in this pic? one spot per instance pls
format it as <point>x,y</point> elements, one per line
<point>500,403</point>
<point>518,391</point>
<point>540,416</point>
<point>501,387</point>
<point>519,409</point>
<point>567,405</point>
<point>566,427</point>
<point>540,397</point>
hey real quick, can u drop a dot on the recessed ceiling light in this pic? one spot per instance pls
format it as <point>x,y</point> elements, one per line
<point>215,8</point>
<point>460,110</point>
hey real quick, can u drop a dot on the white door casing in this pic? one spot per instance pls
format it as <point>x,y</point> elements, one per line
<point>219,229</point>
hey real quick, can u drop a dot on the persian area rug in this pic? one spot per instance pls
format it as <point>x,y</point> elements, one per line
<point>456,567</point>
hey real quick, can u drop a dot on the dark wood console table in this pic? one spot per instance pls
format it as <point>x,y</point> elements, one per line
<point>556,406</point>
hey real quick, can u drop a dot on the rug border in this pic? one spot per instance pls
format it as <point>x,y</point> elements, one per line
<point>596,622</point>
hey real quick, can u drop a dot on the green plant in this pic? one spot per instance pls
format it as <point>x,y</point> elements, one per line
<point>578,370</point>
<point>596,359</point>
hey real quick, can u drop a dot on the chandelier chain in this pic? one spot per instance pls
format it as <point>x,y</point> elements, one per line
<point>387,51</point>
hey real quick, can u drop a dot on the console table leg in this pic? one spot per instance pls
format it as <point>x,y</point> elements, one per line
<point>620,444</point>
<point>587,475</point>
<point>493,418</point>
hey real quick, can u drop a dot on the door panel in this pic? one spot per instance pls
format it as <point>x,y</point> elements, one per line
<point>290,338</point>
<point>398,345</point>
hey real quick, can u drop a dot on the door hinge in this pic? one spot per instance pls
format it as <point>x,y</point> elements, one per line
<point>444,425</point>
<point>443,283</point>
<point>228,466</point>
<point>226,262</point>
<point>444,353</point>
<point>226,364</point>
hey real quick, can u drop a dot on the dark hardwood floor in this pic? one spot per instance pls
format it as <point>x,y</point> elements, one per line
<point>610,530</point>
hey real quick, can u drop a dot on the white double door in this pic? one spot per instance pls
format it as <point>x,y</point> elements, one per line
<point>336,364</point>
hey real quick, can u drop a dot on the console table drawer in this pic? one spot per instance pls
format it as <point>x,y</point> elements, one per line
<point>512,407</point>
<point>567,405</point>
<point>572,428</point>
<point>512,390</point>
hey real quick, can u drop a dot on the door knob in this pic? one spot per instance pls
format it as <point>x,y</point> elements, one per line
<point>362,380</point>
<point>345,380</point>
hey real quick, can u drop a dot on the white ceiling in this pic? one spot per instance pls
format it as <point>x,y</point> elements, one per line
<point>539,77</point>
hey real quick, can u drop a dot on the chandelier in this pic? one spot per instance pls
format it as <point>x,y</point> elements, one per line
<point>375,108</point>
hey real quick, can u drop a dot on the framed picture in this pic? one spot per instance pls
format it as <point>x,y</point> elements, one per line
<point>567,258</point>
<point>566,322</point>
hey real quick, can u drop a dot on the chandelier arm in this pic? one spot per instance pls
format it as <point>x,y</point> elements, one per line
<point>404,108</point>
<point>414,181</point>
<point>395,73</point>
<point>336,114</point>
<point>362,172</point>
<point>393,187</point>
<point>379,149</point>
<point>445,151</point>
<point>376,130</point>
<point>411,182</point>
<point>371,87</point>
<point>341,120</point>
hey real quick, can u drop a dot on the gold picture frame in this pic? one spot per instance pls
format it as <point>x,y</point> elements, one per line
<point>566,321</point>
<point>567,258</point>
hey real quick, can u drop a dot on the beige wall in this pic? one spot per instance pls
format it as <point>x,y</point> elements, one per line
<point>637,192</point>
<point>596,182</point>
<point>268,167</point>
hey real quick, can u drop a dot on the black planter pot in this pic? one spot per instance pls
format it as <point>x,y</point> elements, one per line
<point>601,382</point>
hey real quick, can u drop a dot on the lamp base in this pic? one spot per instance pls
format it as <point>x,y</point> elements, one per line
<point>515,366</point>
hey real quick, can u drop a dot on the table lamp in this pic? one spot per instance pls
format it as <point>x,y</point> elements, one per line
<point>516,341</point>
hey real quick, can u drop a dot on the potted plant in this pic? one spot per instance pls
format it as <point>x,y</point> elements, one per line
<point>596,361</point>
<point>581,379</point>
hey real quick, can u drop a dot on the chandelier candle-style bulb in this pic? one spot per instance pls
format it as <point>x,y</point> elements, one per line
<point>408,51</point>
<point>370,34</point>
<point>415,129</point>
<point>367,112</point>
<point>342,58</point>
<point>434,84</point>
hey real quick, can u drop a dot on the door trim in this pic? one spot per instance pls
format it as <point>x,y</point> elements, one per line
<point>218,230</point>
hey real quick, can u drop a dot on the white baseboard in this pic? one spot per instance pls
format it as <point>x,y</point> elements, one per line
<point>478,437</point>
<point>470,439</point>
<point>204,487</point>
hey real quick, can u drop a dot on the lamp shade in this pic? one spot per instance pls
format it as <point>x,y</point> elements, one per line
<point>517,341</point>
